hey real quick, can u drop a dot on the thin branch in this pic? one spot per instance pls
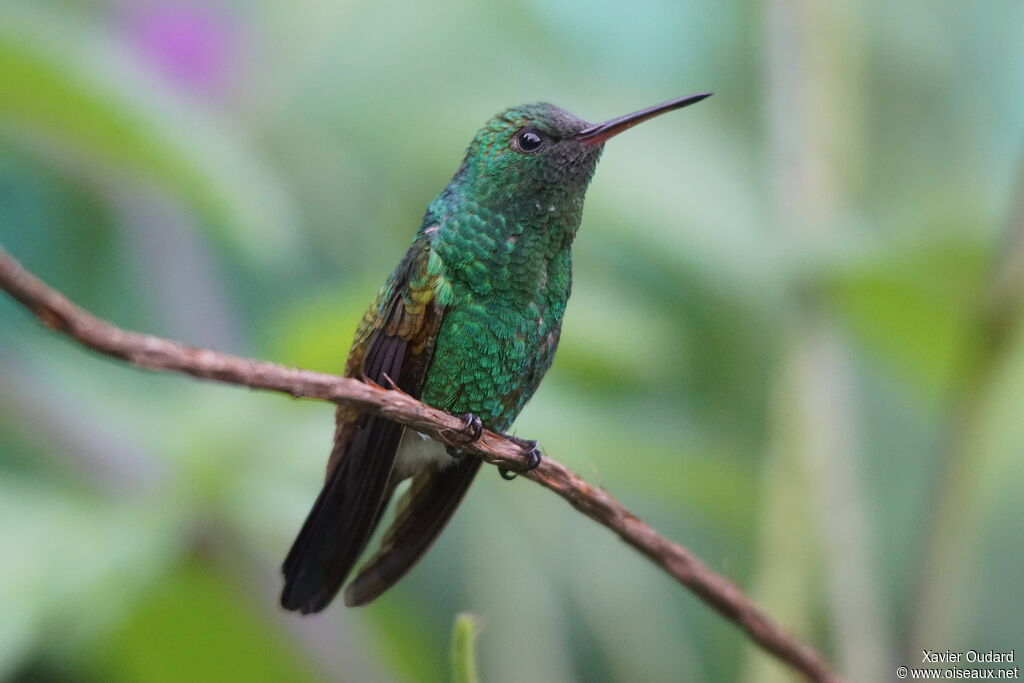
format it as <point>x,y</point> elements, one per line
<point>154,353</point>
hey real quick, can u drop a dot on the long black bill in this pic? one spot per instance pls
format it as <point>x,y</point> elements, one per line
<point>600,132</point>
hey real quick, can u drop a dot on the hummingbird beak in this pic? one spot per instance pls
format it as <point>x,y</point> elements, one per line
<point>597,134</point>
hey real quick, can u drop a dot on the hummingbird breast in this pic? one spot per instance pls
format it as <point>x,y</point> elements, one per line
<point>500,332</point>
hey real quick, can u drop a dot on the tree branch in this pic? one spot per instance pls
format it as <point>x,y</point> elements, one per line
<point>155,353</point>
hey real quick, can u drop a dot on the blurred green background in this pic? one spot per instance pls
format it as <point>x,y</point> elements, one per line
<point>794,343</point>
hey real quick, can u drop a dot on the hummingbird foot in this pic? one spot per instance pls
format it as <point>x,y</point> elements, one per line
<point>468,433</point>
<point>533,454</point>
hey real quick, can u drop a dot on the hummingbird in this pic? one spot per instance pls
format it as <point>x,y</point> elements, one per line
<point>468,323</point>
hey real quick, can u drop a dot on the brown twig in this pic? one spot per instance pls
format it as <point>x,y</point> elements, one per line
<point>154,353</point>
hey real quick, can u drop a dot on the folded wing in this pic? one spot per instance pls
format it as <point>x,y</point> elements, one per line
<point>394,344</point>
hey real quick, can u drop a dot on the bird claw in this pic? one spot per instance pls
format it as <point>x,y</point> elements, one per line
<point>532,451</point>
<point>533,454</point>
<point>468,433</point>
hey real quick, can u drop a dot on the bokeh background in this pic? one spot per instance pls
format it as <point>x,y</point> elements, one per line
<point>794,342</point>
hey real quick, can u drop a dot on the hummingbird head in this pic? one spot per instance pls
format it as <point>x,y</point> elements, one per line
<point>528,153</point>
<point>521,186</point>
<point>540,153</point>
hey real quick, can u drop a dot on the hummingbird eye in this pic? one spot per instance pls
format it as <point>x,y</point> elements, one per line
<point>527,141</point>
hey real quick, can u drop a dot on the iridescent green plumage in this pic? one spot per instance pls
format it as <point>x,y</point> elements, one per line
<point>502,237</point>
<point>469,323</point>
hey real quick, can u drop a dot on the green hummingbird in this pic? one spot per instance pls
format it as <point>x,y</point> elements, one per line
<point>468,322</point>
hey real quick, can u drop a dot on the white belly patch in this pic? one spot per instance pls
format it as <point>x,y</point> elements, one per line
<point>417,451</point>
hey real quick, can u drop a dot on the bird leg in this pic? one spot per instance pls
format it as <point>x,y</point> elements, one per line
<point>532,452</point>
<point>468,433</point>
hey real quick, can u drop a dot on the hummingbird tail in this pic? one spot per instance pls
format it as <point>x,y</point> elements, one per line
<point>343,518</point>
<point>422,514</point>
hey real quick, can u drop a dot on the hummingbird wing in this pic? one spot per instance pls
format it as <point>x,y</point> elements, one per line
<point>422,514</point>
<point>394,343</point>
